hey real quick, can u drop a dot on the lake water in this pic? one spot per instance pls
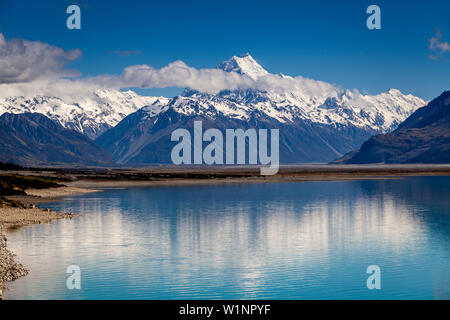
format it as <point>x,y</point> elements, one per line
<point>305,240</point>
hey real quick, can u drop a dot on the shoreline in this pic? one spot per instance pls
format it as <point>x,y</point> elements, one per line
<point>24,213</point>
<point>202,176</point>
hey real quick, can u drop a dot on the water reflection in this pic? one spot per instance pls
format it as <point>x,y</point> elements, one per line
<point>286,240</point>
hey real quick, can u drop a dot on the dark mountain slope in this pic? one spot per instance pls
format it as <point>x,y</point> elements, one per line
<point>32,139</point>
<point>424,137</point>
<point>142,139</point>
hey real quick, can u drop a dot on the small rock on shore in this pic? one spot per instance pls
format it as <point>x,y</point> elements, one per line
<point>9,268</point>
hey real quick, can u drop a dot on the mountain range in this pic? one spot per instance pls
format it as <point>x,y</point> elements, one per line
<point>90,114</point>
<point>318,121</point>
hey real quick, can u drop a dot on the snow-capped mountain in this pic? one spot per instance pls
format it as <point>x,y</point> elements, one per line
<point>303,99</point>
<point>90,114</point>
<point>317,121</point>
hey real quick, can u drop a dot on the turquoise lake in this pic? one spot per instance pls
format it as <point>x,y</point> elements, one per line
<point>292,240</point>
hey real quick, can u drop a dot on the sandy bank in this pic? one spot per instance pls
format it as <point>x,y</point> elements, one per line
<point>37,196</point>
<point>18,217</point>
<point>58,192</point>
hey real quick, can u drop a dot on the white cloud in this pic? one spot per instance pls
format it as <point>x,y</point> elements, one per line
<point>23,61</point>
<point>32,68</point>
<point>437,45</point>
<point>178,74</point>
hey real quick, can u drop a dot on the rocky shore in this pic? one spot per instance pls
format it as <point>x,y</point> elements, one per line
<point>22,212</point>
<point>10,269</point>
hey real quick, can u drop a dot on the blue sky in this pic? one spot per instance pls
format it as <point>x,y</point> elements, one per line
<point>323,40</point>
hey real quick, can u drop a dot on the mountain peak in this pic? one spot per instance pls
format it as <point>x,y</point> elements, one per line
<point>243,64</point>
<point>393,91</point>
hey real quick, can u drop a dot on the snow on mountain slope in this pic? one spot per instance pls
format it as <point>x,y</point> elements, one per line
<point>90,114</point>
<point>300,98</point>
<point>382,112</point>
<point>244,64</point>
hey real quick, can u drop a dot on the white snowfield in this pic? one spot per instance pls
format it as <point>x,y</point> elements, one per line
<point>90,114</point>
<point>286,100</point>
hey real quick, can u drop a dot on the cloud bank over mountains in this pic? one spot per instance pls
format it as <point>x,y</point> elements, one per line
<point>30,68</point>
<point>34,67</point>
<point>178,74</point>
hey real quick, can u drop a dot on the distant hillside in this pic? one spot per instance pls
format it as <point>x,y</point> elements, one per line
<point>424,137</point>
<point>32,139</point>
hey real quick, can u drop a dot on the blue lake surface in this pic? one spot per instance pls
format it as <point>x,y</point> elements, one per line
<point>296,240</point>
